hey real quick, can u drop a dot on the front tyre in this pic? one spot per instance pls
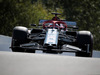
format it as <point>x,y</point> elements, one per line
<point>85,42</point>
<point>19,37</point>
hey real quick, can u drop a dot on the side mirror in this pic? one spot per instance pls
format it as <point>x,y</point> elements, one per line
<point>75,27</point>
<point>33,25</point>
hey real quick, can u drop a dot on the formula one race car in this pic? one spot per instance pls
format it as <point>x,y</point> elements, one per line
<point>57,36</point>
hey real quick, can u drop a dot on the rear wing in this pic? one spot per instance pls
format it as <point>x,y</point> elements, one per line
<point>69,23</point>
<point>41,22</point>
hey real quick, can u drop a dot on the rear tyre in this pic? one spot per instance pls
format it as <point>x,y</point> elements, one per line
<point>19,37</point>
<point>85,42</point>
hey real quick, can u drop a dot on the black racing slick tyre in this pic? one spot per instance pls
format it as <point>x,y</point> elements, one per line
<point>19,37</point>
<point>85,42</point>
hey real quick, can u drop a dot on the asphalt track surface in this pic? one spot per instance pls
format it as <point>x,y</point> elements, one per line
<point>14,63</point>
<point>47,64</point>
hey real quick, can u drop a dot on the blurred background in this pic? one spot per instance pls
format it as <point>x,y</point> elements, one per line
<point>25,12</point>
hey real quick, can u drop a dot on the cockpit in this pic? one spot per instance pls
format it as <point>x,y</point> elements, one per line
<point>54,24</point>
